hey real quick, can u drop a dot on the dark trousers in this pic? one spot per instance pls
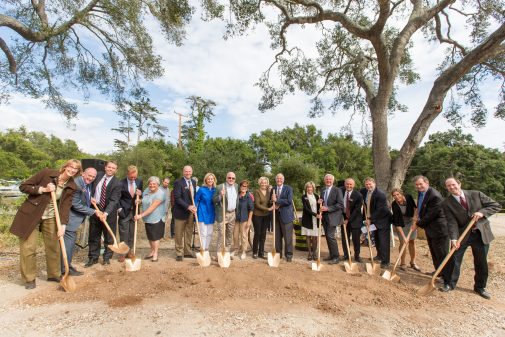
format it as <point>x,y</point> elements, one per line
<point>329,232</point>
<point>261,224</point>
<point>383,243</point>
<point>439,248</point>
<point>96,230</point>
<point>127,228</point>
<point>172,224</point>
<point>355,235</point>
<point>284,231</point>
<point>479,252</point>
<point>69,238</point>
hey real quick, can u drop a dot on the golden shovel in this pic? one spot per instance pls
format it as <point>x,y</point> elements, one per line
<point>316,266</point>
<point>121,248</point>
<point>371,268</point>
<point>273,258</point>
<point>66,282</point>
<point>203,256</point>
<point>133,263</point>
<point>391,275</point>
<point>223,257</point>
<point>350,267</point>
<point>427,289</point>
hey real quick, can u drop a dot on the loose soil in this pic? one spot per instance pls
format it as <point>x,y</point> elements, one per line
<point>171,298</point>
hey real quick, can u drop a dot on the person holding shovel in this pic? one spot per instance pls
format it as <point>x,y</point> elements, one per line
<point>183,213</point>
<point>404,209</point>
<point>261,217</point>
<point>206,211</point>
<point>284,216</point>
<point>228,189</point>
<point>37,214</point>
<point>153,214</point>
<point>309,218</point>
<point>333,205</point>
<point>243,217</point>
<point>353,218</point>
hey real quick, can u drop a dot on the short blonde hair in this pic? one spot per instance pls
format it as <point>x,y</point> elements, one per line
<point>263,178</point>
<point>210,175</point>
<point>310,183</point>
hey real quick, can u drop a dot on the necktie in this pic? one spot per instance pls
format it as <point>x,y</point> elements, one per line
<point>368,197</point>
<point>463,202</point>
<point>279,192</point>
<point>88,195</point>
<point>131,187</point>
<point>348,205</point>
<point>420,199</point>
<point>103,192</point>
<point>326,193</point>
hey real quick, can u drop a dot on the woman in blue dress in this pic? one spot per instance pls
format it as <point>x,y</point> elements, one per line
<point>153,215</point>
<point>205,212</point>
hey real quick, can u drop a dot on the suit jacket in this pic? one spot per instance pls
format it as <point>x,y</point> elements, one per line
<point>432,217</point>
<point>32,209</point>
<point>307,213</point>
<point>112,196</point>
<point>80,206</point>
<point>409,212</point>
<point>380,215</point>
<point>458,217</point>
<point>126,202</point>
<point>286,212</point>
<point>217,200</point>
<point>335,204</point>
<point>356,203</point>
<point>182,198</point>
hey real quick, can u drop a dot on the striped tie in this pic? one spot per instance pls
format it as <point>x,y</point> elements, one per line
<point>103,192</point>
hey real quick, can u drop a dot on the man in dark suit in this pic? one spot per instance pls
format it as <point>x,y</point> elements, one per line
<point>183,213</point>
<point>332,208</point>
<point>353,218</point>
<point>377,213</point>
<point>459,208</point>
<point>284,216</point>
<point>432,219</point>
<point>81,208</point>
<point>106,191</point>
<point>131,186</point>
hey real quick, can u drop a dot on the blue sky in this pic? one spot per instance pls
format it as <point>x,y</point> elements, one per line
<point>226,71</point>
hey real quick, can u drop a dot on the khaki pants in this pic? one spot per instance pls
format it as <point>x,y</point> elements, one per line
<point>28,252</point>
<point>229,222</point>
<point>241,234</point>
<point>183,235</point>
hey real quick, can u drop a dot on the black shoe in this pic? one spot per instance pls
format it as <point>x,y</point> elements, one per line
<point>445,288</point>
<point>385,265</point>
<point>262,257</point>
<point>483,293</point>
<point>106,262</point>
<point>255,256</point>
<point>310,257</point>
<point>74,272</point>
<point>357,259</point>
<point>30,285</point>
<point>377,259</point>
<point>289,258</point>
<point>178,258</point>
<point>328,258</point>
<point>346,257</point>
<point>90,263</point>
<point>334,261</point>
<point>54,279</point>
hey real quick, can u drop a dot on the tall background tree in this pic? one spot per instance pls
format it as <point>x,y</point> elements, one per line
<point>193,130</point>
<point>364,55</point>
<point>83,45</point>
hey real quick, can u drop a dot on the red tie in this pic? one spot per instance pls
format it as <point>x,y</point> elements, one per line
<point>463,203</point>
<point>103,192</point>
<point>131,187</point>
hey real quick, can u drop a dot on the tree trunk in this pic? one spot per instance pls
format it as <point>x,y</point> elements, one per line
<point>380,147</point>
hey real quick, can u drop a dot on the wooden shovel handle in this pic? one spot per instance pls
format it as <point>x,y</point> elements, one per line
<point>58,225</point>
<point>136,223</point>
<point>273,223</point>
<point>196,218</point>
<point>370,245</point>
<point>223,229</point>
<point>106,225</point>
<point>402,250</point>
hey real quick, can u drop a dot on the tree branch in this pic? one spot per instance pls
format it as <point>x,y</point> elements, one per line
<point>8,54</point>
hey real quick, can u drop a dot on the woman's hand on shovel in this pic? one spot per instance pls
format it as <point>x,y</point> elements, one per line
<point>61,230</point>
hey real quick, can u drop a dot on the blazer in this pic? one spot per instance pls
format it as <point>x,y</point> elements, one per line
<point>216,198</point>
<point>182,198</point>
<point>112,196</point>
<point>432,217</point>
<point>285,213</point>
<point>335,204</point>
<point>409,212</point>
<point>458,217</point>
<point>126,202</point>
<point>80,206</point>
<point>307,213</point>
<point>380,215</point>
<point>356,203</point>
<point>30,212</point>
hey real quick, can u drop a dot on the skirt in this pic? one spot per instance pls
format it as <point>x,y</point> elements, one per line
<point>406,230</point>
<point>310,232</point>
<point>155,231</point>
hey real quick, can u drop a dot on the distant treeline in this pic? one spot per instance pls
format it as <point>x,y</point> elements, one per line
<point>300,153</point>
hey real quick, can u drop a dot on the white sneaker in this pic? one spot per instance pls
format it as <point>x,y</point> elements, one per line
<point>243,256</point>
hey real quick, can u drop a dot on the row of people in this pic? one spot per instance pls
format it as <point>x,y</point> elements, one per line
<point>442,220</point>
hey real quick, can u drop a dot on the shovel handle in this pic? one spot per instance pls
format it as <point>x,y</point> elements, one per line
<point>196,218</point>
<point>223,229</point>
<point>136,223</point>
<point>58,225</point>
<point>107,226</point>
<point>370,245</point>
<point>402,249</point>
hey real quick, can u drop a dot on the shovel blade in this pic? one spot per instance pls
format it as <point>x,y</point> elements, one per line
<point>203,259</point>
<point>395,278</point>
<point>133,264</point>
<point>427,289</point>
<point>67,283</point>
<point>351,268</point>
<point>274,259</point>
<point>373,269</point>
<point>316,266</point>
<point>387,275</point>
<point>121,248</point>
<point>224,259</point>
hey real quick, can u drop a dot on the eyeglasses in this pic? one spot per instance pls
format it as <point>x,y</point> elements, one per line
<point>232,178</point>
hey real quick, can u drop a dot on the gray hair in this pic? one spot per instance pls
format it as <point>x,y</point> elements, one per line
<point>423,178</point>
<point>154,179</point>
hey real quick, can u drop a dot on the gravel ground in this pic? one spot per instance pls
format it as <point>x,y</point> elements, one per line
<point>250,299</point>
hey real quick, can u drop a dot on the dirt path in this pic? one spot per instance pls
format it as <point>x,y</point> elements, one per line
<point>250,299</point>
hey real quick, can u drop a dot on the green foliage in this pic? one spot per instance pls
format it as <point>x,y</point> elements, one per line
<point>193,131</point>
